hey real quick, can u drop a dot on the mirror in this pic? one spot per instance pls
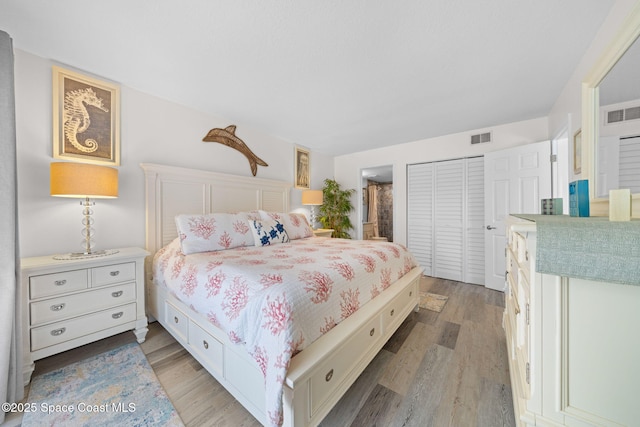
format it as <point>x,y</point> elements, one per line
<point>617,154</point>
<point>602,88</point>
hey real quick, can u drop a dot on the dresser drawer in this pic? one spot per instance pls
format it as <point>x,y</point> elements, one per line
<point>390,316</point>
<point>177,322</point>
<point>336,367</point>
<point>64,307</point>
<point>55,333</point>
<point>209,347</point>
<point>110,274</point>
<point>58,283</point>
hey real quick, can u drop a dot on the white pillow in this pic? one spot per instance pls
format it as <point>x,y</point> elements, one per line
<point>268,232</point>
<point>296,224</point>
<point>213,232</point>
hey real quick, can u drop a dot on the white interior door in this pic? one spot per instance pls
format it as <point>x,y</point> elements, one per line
<point>514,182</point>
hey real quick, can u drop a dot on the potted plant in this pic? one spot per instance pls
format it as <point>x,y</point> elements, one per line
<point>335,209</point>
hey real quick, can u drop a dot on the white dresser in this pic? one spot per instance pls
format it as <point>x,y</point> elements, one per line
<point>573,344</point>
<point>69,303</point>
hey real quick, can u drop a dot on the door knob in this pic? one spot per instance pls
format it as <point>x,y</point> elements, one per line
<point>491,228</point>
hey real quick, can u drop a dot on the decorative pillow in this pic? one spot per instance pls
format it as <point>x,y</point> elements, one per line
<point>296,224</point>
<point>213,232</point>
<point>268,232</point>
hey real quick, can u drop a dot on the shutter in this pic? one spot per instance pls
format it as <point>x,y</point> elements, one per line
<point>448,215</point>
<point>474,247</point>
<point>630,164</point>
<point>420,214</point>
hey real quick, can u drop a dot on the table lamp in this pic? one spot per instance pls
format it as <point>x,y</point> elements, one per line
<point>84,181</point>
<point>312,198</point>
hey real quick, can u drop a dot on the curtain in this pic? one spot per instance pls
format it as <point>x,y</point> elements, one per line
<point>373,207</point>
<point>11,386</point>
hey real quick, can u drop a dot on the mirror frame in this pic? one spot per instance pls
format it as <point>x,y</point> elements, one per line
<point>628,33</point>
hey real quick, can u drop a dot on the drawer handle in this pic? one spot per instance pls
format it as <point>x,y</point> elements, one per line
<point>117,315</point>
<point>114,273</point>
<point>116,294</point>
<point>58,332</point>
<point>175,319</point>
<point>410,293</point>
<point>57,307</point>
<point>205,344</point>
<point>60,282</point>
<point>329,375</point>
<point>526,255</point>
<point>372,331</point>
<point>392,311</point>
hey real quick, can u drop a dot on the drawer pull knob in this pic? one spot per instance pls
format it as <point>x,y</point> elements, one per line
<point>114,273</point>
<point>57,307</point>
<point>205,344</point>
<point>410,293</point>
<point>175,319</point>
<point>329,375</point>
<point>372,331</point>
<point>60,282</point>
<point>117,315</point>
<point>116,294</point>
<point>392,311</point>
<point>58,332</point>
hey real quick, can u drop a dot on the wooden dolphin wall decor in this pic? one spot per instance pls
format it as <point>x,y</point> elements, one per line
<point>227,136</point>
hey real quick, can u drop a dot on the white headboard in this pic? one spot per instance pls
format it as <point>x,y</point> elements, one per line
<point>174,190</point>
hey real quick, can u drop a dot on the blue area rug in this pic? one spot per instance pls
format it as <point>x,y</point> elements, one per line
<point>115,388</point>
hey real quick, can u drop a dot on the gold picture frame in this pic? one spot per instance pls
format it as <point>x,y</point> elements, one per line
<point>577,152</point>
<point>302,169</point>
<point>86,118</point>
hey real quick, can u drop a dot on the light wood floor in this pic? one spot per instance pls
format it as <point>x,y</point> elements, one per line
<point>439,369</point>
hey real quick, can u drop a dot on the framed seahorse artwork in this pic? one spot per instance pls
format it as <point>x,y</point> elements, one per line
<point>302,168</point>
<point>86,118</point>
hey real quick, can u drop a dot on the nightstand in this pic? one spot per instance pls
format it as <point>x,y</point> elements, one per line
<point>323,232</point>
<point>69,303</point>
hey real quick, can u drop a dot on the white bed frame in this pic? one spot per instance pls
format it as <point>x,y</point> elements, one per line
<point>320,374</point>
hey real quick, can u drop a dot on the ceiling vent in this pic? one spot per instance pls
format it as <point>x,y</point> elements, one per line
<point>481,138</point>
<point>622,115</point>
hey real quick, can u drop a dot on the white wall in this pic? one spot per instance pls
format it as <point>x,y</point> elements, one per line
<point>153,131</point>
<point>348,167</point>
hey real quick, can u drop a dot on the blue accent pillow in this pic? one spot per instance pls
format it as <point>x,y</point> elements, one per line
<point>268,232</point>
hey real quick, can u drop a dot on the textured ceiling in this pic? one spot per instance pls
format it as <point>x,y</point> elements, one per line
<point>335,76</point>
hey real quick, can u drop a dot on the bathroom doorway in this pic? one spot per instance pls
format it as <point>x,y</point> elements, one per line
<point>377,203</point>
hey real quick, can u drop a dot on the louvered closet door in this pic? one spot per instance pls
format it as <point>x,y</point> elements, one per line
<point>474,197</point>
<point>420,214</point>
<point>445,218</point>
<point>448,215</point>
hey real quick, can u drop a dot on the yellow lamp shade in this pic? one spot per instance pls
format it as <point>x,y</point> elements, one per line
<point>312,197</point>
<point>83,180</point>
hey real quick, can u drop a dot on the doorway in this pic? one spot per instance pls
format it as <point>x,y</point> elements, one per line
<point>377,203</point>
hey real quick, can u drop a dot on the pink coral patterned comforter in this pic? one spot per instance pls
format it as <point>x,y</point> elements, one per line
<point>278,299</point>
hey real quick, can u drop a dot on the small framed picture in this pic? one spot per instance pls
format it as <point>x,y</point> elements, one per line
<point>86,118</point>
<point>577,152</point>
<point>302,176</point>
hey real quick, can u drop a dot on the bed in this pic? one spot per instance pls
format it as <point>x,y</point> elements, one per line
<point>314,378</point>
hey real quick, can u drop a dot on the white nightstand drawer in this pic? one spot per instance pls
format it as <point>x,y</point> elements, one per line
<point>58,283</point>
<point>64,307</point>
<point>55,333</point>
<point>116,273</point>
